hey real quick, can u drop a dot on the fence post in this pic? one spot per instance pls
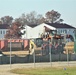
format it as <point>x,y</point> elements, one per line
<point>50,53</point>
<point>34,56</point>
<point>67,57</point>
<point>10,53</point>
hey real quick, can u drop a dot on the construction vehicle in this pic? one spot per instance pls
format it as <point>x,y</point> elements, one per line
<point>69,47</point>
<point>64,42</point>
<point>58,42</point>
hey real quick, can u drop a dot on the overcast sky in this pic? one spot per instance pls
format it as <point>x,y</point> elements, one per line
<point>14,8</point>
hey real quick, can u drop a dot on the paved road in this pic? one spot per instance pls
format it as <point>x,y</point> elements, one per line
<point>5,69</point>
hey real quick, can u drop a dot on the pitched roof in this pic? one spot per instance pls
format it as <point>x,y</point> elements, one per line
<point>4,26</point>
<point>61,25</point>
<point>33,25</point>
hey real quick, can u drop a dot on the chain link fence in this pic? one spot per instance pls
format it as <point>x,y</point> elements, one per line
<point>45,51</point>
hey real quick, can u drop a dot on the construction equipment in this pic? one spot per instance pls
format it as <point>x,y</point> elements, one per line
<point>69,47</point>
<point>32,46</point>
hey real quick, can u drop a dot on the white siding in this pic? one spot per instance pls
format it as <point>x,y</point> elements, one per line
<point>28,32</point>
<point>36,31</point>
<point>2,33</point>
<point>66,31</point>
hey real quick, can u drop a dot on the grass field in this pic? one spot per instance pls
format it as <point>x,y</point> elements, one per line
<point>46,71</point>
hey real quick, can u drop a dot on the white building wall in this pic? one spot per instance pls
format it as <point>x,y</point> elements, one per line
<point>28,31</point>
<point>36,31</point>
<point>2,33</point>
<point>66,31</point>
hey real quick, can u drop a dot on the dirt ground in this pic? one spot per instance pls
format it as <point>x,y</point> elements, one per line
<point>5,69</point>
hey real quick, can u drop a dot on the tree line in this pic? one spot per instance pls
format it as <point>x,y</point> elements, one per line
<point>32,18</point>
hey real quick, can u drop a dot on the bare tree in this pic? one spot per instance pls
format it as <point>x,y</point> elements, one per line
<point>31,18</point>
<point>7,20</point>
<point>53,16</point>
